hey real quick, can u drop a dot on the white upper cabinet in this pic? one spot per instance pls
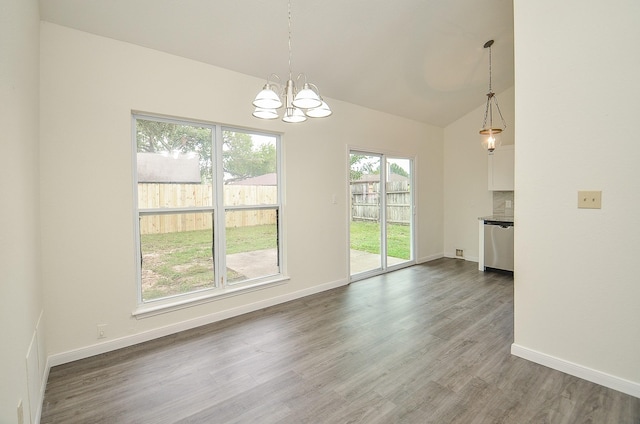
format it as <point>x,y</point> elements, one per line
<point>501,165</point>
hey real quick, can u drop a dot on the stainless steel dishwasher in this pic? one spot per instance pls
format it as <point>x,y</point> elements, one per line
<point>498,245</point>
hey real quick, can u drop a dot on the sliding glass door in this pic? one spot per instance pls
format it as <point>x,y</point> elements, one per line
<point>381,213</point>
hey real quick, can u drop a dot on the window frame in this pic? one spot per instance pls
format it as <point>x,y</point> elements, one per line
<point>220,288</point>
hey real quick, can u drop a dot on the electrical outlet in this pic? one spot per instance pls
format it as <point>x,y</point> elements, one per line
<point>589,199</point>
<point>459,253</point>
<point>102,331</point>
<point>20,413</point>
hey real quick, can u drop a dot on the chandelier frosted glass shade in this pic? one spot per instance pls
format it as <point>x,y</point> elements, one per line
<point>263,113</point>
<point>267,98</point>
<point>307,98</point>
<point>321,111</point>
<point>297,105</point>
<point>293,115</point>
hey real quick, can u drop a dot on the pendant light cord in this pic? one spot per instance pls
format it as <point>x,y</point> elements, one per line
<point>289,18</point>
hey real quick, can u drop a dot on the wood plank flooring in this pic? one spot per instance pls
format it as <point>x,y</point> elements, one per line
<point>426,344</point>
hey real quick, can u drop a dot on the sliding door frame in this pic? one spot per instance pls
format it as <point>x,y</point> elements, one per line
<point>384,266</point>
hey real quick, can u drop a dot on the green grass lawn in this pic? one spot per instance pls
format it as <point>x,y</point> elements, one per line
<point>239,239</point>
<point>365,237</point>
<point>175,263</point>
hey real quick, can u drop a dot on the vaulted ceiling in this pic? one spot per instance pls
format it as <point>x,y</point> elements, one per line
<point>420,59</point>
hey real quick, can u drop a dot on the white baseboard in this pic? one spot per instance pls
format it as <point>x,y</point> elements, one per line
<point>122,342</point>
<point>589,374</point>
<point>429,258</point>
<point>452,255</point>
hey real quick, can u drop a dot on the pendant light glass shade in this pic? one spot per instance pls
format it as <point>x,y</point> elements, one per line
<point>491,138</point>
<point>307,98</point>
<point>321,111</point>
<point>267,98</point>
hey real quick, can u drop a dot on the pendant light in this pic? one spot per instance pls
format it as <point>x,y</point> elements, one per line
<point>489,133</point>
<point>298,104</point>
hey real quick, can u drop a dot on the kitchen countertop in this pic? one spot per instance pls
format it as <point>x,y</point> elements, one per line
<point>499,218</point>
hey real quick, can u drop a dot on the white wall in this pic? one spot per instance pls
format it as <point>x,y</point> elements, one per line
<point>577,288</point>
<point>20,285</point>
<point>90,85</point>
<point>466,193</point>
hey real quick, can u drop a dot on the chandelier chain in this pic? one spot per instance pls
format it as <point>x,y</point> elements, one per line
<point>504,124</point>
<point>491,97</point>
<point>486,111</point>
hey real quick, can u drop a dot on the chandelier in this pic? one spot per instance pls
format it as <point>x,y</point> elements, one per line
<point>298,104</point>
<point>489,134</point>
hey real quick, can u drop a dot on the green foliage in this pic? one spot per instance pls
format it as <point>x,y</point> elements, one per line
<point>242,158</point>
<point>165,137</point>
<point>360,165</point>
<point>394,168</point>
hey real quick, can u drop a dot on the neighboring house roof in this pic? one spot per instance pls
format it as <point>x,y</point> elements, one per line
<point>261,180</point>
<point>160,168</point>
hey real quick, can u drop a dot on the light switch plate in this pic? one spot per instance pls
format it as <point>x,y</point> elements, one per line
<point>589,199</point>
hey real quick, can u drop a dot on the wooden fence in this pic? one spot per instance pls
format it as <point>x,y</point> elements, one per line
<point>365,202</point>
<point>365,205</point>
<point>158,196</point>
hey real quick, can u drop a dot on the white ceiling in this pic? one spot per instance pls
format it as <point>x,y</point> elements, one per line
<point>421,59</point>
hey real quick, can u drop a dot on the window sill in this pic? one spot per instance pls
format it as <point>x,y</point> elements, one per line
<point>159,307</point>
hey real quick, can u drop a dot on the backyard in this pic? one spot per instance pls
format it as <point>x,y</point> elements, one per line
<point>181,262</point>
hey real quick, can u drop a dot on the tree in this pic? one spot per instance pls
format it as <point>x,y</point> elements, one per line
<point>394,168</point>
<point>360,165</point>
<point>170,138</point>
<point>241,157</point>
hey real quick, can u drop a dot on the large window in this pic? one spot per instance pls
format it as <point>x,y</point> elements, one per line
<point>208,207</point>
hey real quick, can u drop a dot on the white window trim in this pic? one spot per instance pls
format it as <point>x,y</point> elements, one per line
<point>182,301</point>
<point>220,290</point>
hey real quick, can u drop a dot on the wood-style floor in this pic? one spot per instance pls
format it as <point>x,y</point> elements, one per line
<point>426,344</point>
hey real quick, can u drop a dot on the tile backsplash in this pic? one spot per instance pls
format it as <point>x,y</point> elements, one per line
<point>501,201</point>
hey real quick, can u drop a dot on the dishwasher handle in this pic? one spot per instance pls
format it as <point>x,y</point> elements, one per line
<point>502,224</point>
